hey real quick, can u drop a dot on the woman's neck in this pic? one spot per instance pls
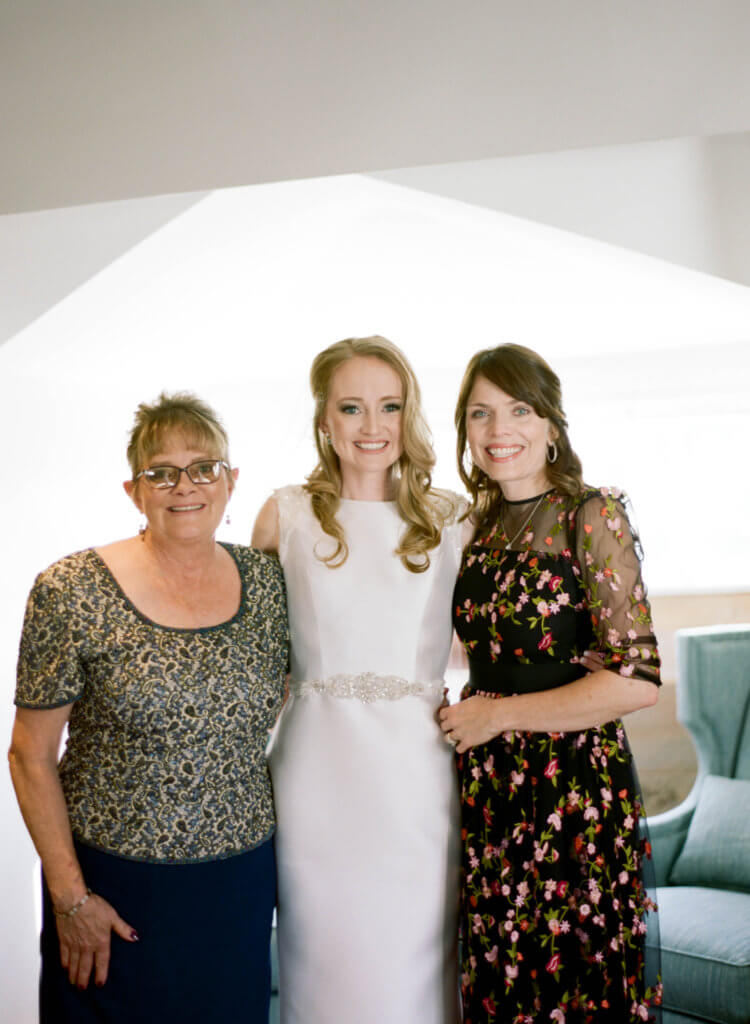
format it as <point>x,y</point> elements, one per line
<point>525,490</point>
<point>186,560</point>
<point>367,486</point>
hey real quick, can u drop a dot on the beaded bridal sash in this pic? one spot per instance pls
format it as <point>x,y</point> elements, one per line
<point>366,686</point>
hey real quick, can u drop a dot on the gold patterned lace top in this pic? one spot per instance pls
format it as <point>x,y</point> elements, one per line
<point>165,759</point>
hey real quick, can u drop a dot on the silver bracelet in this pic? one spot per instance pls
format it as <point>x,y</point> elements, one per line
<point>76,906</point>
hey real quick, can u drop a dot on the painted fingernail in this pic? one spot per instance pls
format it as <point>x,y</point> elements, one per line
<point>134,936</point>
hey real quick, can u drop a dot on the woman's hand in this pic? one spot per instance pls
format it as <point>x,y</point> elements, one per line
<point>85,936</point>
<point>470,722</point>
<point>592,661</point>
<point>444,703</point>
<point>85,940</point>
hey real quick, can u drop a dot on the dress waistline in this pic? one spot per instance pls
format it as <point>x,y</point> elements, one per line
<point>496,677</point>
<point>366,686</point>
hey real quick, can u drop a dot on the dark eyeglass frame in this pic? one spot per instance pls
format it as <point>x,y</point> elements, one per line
<point>180,470</point>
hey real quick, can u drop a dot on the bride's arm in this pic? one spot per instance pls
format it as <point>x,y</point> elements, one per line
<point>468,529</point>
<point>266,529</point>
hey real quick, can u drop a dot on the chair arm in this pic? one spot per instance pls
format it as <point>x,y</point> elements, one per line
<point>667,833</point>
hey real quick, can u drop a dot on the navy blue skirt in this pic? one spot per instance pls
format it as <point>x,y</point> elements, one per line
<point>203,954</point>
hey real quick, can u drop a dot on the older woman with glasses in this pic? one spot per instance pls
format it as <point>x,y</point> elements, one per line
<point>165,655</point>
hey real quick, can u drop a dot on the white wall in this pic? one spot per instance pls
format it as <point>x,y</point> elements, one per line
<point>682,200</point>
<point>46,255</point>
<point>728,171</point>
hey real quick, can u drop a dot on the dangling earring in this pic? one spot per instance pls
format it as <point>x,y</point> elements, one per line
<point>142,528</point>
<point>551,455</point>
<point>228,519</point>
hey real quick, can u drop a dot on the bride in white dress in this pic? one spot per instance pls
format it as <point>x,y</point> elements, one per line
<point>367,840</point>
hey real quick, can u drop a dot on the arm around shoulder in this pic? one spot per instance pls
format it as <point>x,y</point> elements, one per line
<point>266,530</point>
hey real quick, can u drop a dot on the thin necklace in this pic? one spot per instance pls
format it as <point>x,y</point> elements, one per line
<point>525,523</point>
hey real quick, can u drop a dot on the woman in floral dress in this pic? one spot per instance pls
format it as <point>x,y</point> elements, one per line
<point>553,905</point>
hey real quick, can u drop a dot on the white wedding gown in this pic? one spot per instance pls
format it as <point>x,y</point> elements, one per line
<point>365,786</point>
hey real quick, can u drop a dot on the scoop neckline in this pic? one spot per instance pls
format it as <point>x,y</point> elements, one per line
<point>229,548</point>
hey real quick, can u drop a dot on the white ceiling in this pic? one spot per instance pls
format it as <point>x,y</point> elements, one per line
<point>103,101</point>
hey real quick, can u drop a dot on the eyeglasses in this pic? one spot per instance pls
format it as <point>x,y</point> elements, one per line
<point>205,471</point>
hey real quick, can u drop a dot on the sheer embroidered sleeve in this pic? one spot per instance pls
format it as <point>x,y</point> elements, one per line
<point>609,554</point>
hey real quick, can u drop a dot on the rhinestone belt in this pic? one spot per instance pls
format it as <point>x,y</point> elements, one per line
<point>366,686</point>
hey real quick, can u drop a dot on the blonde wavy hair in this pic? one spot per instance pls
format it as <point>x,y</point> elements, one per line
<point>424,510</point>
<point>524,375</point>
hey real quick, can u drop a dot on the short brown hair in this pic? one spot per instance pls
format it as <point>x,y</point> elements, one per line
<point>181,413</point>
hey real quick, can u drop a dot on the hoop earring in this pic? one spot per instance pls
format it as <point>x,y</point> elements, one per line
<point>552,456</point>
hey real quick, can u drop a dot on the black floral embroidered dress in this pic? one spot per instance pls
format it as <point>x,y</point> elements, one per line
<point>553,905</point>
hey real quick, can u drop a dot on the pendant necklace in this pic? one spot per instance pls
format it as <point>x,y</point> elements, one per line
<point>525,523</point>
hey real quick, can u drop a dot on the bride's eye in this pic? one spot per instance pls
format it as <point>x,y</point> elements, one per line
<point>348,409</point>
<point>392,407</point>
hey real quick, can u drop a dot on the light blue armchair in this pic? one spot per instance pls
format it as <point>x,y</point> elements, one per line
<point>701,848</point>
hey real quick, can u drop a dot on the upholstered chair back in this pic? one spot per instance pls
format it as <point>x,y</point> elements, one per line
<point>713,698</point>
<point>702,848</point>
